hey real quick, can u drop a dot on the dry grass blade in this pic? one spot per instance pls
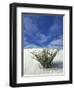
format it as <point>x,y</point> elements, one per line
<point>45,57</point>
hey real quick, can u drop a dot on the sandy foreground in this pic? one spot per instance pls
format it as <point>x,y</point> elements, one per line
<point>33,68</point>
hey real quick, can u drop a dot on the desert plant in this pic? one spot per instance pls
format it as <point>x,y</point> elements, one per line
<point>45,57</point>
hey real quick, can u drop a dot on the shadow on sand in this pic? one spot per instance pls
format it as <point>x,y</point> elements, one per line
<point>58,65</point>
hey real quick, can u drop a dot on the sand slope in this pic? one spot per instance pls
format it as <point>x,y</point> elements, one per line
<point>33,67</point>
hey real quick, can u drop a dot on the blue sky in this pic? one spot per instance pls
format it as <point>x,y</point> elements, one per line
<point>42,31</point>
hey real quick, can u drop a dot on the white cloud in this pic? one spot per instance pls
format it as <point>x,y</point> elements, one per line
<point>42,38</point>
<point>56,43</point>
<point>31,45</point>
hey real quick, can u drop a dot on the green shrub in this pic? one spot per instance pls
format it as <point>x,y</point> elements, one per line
<point>45,57</point>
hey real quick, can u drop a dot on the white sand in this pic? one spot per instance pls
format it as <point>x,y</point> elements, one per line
<point>33,67</point>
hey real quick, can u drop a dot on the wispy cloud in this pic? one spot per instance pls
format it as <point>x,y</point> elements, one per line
<point>57,43</point>
<point>42,31</point>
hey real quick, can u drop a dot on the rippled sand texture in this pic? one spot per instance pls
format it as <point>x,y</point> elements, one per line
<point>32,67</point>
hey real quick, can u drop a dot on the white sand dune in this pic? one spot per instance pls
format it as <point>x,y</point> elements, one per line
<point>33,67</point>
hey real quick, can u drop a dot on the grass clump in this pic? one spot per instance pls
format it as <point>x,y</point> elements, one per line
<point>45,57</point>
